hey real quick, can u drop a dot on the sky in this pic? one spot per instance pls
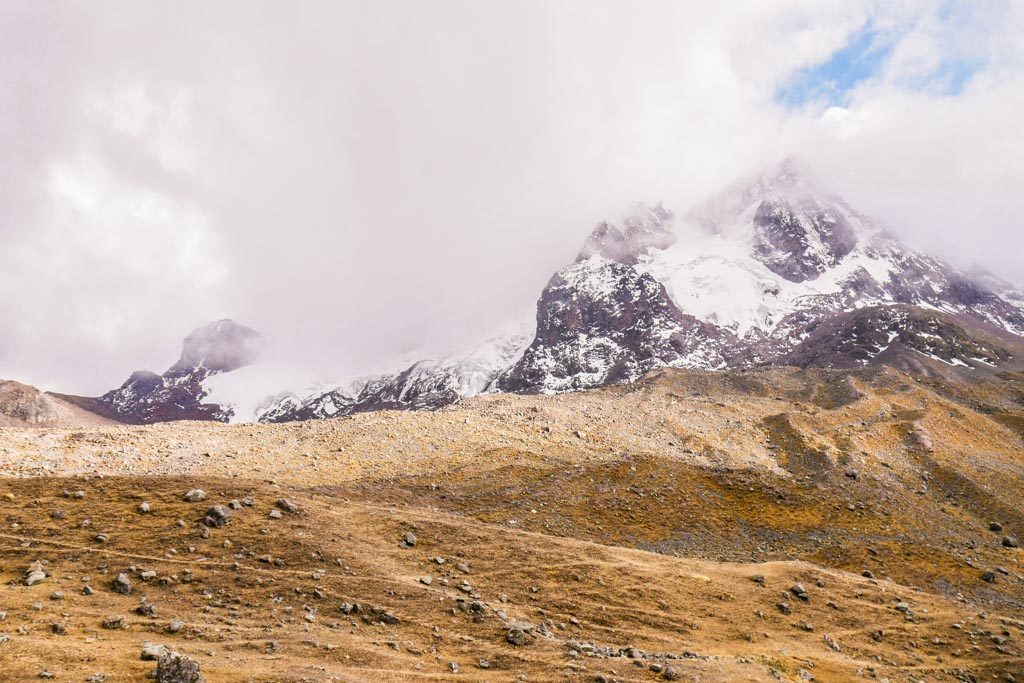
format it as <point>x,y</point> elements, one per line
<point>362,181</point>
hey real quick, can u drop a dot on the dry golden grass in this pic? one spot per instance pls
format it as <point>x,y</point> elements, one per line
<point>640,512</point>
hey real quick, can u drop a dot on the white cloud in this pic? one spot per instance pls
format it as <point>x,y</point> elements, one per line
<point>358,179</point>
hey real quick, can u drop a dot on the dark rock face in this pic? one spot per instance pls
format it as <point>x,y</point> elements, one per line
<point>902,336</point>
<point>800,242</point>
<point>645,228</point>
<point>602,322</point>
<point>178,394</point>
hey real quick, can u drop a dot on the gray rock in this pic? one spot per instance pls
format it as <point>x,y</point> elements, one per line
<point>113,622</point>
<point>995,526</point>
<point>275,514</point>
<point>35,573</point>
<point>195,496</point>
<point>518,633</point>
<point>151,652</point>
<point>286,505</point>
<point>122,584</point>
<point>217,516</point>
<point>174,667</point>
<point>409,540</point>
<point>1009,541</point>
<point>145,507</point>
<point>175,626</point>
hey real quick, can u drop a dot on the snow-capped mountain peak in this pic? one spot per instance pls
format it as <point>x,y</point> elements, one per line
<point>776,269</point>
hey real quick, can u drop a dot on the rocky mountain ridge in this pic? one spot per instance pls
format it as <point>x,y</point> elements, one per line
<point>775,270</point>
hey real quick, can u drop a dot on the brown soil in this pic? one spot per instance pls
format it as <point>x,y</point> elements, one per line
<point>631,516</point>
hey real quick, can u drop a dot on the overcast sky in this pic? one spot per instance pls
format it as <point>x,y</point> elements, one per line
<point>360,179</point>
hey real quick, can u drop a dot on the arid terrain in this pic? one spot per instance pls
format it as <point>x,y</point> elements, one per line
<point>755,525</point>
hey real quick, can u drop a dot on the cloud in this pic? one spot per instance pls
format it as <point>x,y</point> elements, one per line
<point>361,180</point>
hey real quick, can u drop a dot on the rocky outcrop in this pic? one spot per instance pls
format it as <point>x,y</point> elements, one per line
<point>645,228</point>
<point>600,322</point>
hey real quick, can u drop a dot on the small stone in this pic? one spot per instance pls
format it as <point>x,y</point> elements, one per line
<point>799,591</point>
<point>152,652</point>
<point>174,667</point>
<point>195,496</point>
<point>518,633</point>
<point>988,576</point>
<point>867,574</point>
<point>175,626</point>
<point>59,629</point>
<point>758,579</point>
<point>275,514</point>
<point>217,516</point>
<point>122,584</point>
<point>113,623</point>
<point>462,567</point>
<point>1009,541</point>
<point>34,577</point>
<point>409,540</point>
<point>995,526</point>
<point>145,507</point>
<point>146,609</point>
<point>286,505</point>
<point>426,580</point>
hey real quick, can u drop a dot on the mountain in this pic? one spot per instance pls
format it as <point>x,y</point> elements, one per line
<point>600,321</point>
<point>774,270</point>
<point>22,405</point>
<point>422,385</point>
<point>179,393</point>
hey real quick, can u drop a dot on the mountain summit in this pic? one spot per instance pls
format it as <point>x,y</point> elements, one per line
<point>774,270</point>
<point>179,393</point>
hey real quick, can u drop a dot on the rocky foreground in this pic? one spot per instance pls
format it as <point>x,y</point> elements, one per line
<point>750,525</point>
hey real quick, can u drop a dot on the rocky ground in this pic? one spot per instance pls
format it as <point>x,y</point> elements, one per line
<point>760,525</point>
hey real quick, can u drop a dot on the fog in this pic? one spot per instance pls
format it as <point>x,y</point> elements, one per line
<point>362,181</point>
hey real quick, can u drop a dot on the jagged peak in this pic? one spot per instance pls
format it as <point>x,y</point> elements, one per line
<point>645,227</point>
<point>790,181</point>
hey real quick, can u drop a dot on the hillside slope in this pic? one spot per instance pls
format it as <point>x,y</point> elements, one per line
<point>635,516</point>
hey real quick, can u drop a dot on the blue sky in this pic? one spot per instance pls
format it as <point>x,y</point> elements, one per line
<point>863,57</point>
<point>829,82</point>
